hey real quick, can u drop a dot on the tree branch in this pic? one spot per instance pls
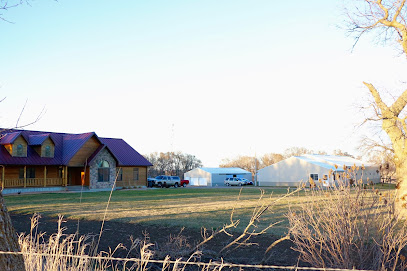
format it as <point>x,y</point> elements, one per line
<point>399,104</point>
<point>383,107</point>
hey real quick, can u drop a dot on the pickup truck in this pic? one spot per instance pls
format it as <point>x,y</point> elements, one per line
<point>184,183</point>
<point>167,181</point>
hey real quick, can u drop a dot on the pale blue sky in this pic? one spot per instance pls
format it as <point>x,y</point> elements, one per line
<point>211,78</point>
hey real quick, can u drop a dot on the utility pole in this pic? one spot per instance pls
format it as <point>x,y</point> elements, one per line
<point>255,169</point>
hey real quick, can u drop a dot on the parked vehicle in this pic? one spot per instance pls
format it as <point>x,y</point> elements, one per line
<point>234,181</point>
<point>184,183</point>
<point>247,182</point>
<point>150,182</point>
<point>165,181</point>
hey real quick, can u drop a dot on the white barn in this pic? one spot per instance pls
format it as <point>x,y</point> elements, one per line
<point>205,176</point>
<point>297,169</point>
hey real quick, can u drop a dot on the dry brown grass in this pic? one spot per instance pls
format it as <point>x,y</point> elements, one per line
<point>349,226</point>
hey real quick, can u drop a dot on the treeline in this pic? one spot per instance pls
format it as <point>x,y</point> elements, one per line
<point>251,163</point>
<point>177,163</point>
<point>171,163</point>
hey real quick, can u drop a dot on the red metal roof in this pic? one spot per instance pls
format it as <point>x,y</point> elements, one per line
<point>66,146</point>
<point>124,153</point>
<point>9,137</point>
<point>37,139</point>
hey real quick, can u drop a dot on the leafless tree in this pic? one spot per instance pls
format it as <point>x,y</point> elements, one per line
<point>270,158</point>
<point>5,5</point>
<point>171,163</point>
<point>380,154</point>
<point>387,19</point>
<point>248,163</point>
<point>295,151</point>
<point>342,153</point>
<point>8,242</point>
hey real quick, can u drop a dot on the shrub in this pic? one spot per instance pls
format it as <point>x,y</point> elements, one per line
<point>349,225</point>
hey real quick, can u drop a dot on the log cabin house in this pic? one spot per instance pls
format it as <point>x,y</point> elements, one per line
<point>46,159</point>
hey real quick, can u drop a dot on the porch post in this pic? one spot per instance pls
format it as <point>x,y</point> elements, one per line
<point>45,176</point>
<point>25,176</point>
<point>66,176</point>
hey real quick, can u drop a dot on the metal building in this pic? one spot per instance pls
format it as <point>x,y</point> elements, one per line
<point>321,168</point>
<point>205,176</point>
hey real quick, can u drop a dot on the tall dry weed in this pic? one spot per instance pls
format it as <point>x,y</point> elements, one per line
<point>70,252</point>
<point>63,252</point>
<point>349,225</point>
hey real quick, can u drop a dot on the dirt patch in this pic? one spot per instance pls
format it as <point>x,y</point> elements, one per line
<point>167,240</point>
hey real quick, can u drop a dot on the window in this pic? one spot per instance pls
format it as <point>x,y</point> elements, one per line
<point>103,171</point>
<point>21,173</point>
<point>135,174</point>
<point>60,172</point>
<point>314,177</point>
<point>30,173</point>
<point>119,175</point>
<point>20,150</point>
<point>47,151</point>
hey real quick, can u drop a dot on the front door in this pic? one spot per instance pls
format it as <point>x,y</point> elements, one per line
<point>77,176</point>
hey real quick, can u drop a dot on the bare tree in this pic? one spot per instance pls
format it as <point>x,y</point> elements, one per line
<point>270,158</point>
<point>5,5</point>
<point>8,242</point>
<point>296,151</point>
<point>388,20</point>
<point>342,153</point>
<point>380,154</point>
<point>245,162</point>
<point>171,163</point>
<point>8,236</point>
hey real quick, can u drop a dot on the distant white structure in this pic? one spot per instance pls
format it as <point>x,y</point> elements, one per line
<point>205,176</point>
<point>297,169</point>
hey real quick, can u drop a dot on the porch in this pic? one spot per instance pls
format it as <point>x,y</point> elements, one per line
<point>40,176</point>
<point>32,182</point>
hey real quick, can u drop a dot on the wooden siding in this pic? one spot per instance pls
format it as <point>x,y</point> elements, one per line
<point>12,178</point>
<point>127,179</point>
<point>12,172</point>
<point>47,142</point>
<point>19,140</point>
<point>87,150</point>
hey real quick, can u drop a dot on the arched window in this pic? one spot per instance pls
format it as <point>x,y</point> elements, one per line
<point>103,171</point>
<point>20,150</point>
<point>48,151</point>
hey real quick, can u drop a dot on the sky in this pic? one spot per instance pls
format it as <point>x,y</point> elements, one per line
<point>215,79</point>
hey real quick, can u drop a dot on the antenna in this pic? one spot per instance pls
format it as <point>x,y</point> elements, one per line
<point>172,137</point>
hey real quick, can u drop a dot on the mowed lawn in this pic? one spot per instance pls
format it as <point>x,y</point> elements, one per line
<point>183,207</point>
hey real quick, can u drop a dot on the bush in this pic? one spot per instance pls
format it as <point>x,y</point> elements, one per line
<point>349,226</point>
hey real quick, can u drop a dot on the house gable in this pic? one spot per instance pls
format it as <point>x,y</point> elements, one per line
<point>18,148</point>
<point>102,158</point>
<point>85,151</point>
<point>43,145</point>
<point>47,148</point>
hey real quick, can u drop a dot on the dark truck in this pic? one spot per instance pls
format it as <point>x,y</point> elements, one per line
<point>166,181</point>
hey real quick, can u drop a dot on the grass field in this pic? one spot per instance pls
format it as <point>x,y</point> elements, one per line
<point>191,207</point>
